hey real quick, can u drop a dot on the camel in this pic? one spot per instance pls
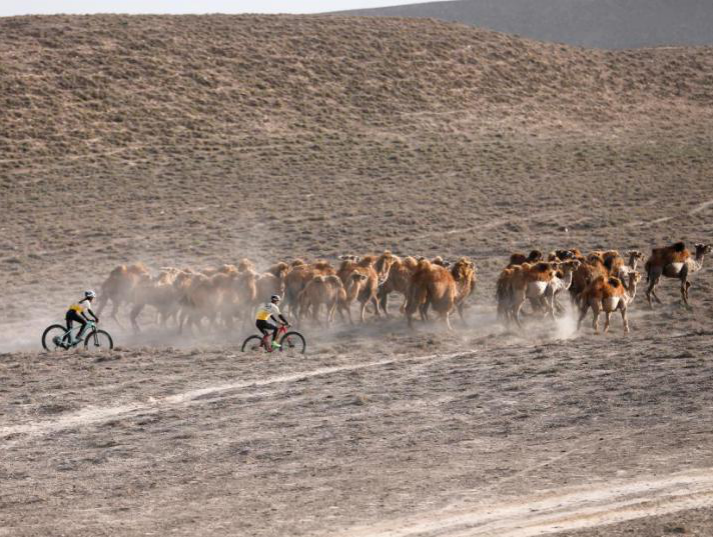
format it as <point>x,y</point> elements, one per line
<point>518,259</point>
<point>119,286</point>
<point>463,272</point>
<point>355,284</point>
<point>522,282</point>
<point>327,290</point>
<point>591,268</point>
<point>397,280</point>
<point>163,292</point>
<point>608,294</point>
<point>618,268</point>
<point>431,286</point>
<point>673,262</point>
<point>297,277</point>
<point>383,264</point>
<point>368,291</point>
<point>271,282</point>
<point>561,282</point>
<point>225,295</point>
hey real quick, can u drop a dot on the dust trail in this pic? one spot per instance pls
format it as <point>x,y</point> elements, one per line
<point>556,511</point>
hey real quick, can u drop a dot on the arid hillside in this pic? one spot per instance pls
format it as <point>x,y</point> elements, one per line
<point>606,24</point>
<point>194,141</point>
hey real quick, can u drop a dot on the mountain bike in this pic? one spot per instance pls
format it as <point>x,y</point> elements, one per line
<point>290,342</point>
<point>56,337</point>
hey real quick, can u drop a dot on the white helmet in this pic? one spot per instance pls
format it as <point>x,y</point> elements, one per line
<point>89,294</point>
<point>275,298</point>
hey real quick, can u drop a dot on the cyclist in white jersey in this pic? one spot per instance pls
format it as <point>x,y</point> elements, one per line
<point>78,312</point>
<point>266,311</point>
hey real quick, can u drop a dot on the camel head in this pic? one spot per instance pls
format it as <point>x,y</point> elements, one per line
<point>703,249</point>
<point>570,265</point>
<point>534,256</point>
<point>350,257</point>
<point>635,254</point>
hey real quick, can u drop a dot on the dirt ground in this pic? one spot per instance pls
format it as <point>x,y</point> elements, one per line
<point>377,431</point>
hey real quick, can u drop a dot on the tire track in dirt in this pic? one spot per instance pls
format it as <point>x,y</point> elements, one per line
<point>556,511</point>
<point>93,415</point>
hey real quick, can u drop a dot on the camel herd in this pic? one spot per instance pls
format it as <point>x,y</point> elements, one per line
<point>603,281</point>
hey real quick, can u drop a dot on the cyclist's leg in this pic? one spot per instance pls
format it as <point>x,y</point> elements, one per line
<point>74,316</point>
<point>264,328</point>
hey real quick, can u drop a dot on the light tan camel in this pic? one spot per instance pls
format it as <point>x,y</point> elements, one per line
<point>119,286</point>
<point>608,294</point>
<point>561,282</point>
<point>323,290</point>
<point>673,262</point>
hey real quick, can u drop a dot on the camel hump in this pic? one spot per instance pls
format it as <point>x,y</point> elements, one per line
<point>541,267</point>
<point>679,247</point>
<point>614,282</point>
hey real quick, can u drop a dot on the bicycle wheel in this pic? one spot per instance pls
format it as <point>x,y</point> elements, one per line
<point>253,344</point>
<point>98,340</point>
<point>293,343</point>
<point>53,338</point>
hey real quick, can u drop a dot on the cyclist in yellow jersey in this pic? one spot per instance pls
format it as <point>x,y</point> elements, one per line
<point>266,311</point>
<point>77,312</point>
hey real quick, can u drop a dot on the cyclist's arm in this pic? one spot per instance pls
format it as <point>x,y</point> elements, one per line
<point>281,319</point>
<point>90,312</point>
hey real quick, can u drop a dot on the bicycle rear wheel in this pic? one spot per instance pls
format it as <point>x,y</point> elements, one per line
<point>293,343</point>
<point>253,344</point>
<point>53,338</point>
<point>98,340</point>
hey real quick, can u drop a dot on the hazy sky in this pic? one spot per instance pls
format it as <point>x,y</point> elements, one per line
<point>26,7</point>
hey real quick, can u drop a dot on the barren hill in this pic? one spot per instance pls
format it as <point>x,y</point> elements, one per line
<point>194,141</point>
<point>607,24</point>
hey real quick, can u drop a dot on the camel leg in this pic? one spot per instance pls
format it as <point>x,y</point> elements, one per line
<point>375,301</point>
<point>550,303</point>
<point>624,320</point>
<point>115,311</point>
<point>654,277</point>
<point>582,314</point>
<point>518,300</point>
<point>685,284</point>
<point>595,320</point>
<point>448,321</point>
<point>607,320</point>
<point>384,302</point>
<point>135,311</point>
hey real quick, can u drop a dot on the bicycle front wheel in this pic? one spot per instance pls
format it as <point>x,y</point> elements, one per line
<point>53,338</point>
<point>252,344</point>
<point>293,343</point>
<point>98,340</point>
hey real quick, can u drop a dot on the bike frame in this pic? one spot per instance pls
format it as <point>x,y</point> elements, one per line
<point>74,331</point>
<point>265,339</point>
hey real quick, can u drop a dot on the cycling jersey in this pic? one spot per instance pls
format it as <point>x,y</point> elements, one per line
<point>266,310</point>
<point>81,306</point>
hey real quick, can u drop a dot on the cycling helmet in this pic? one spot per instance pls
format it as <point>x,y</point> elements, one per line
<point>89,294</point>
<point>275,298</point>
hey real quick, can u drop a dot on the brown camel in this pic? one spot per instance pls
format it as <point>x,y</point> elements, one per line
<point>522,282</point>
<point>322,290</point>
<point>608,294</point>
<point>673,262</point>
<point>561,282</point>
<point>297,277</point>
<point>367,292</point>
<point>397,280</point>
<point>431,286</point>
